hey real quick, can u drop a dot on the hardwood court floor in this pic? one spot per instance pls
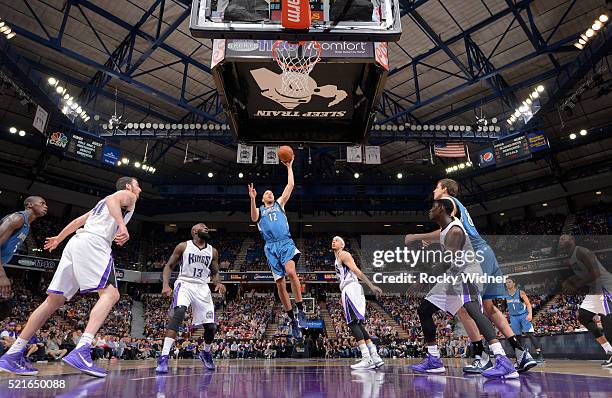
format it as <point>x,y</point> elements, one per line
<point>306,378</point>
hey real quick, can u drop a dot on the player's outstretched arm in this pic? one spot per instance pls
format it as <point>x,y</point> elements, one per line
<point>347,259</point>
<point>214,273</point>
<point>290,184</point>
<point>589,260</point>
<point>254,209</point>
<point>52,242</point>
<point>170,264</point>
<point>429,237</point>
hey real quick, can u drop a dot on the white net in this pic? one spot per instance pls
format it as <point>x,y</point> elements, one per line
<point>297,61</point>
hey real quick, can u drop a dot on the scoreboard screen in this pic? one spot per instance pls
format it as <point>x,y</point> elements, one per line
<point>85,148</point>
<point>511,150</point>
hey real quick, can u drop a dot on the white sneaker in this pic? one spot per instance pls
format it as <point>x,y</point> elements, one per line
<point>364,364</point>
<point>377,360</point>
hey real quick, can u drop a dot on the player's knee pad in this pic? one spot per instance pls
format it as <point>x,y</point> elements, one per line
<point>356,330</point>
<point>484,324</point>
<point>177,317</point>
<point>209,332</point>
<point>586,319</point>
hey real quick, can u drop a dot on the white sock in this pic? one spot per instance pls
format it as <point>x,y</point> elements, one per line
<point>433,351</point>
<point>20,345</point>
<point>207,347</point>
<point>372,349</point>
<point>365,353</point>
<point>606,346</point>
<point>497,349</point>
<point>168,341</point>
<point>86,339</point>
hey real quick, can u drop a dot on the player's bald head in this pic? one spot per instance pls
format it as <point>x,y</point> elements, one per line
<point>198,227</point>
<point>31,200</point>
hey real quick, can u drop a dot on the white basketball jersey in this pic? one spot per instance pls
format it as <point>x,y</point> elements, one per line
<point>195,264</point>
<point>101,223</point>
<point>580,269</point>
<point>345,275</point>
<point>467,244</point>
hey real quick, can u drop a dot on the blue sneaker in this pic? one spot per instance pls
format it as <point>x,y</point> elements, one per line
<point>503,369</point>
<point>302,321</point>
<point>162,364</point>
<point>430,364</point>
<point>207,358</point>
<point>295,329</point>
<point>524,362</point>
<point>80,358</point>
<point>16,363</point>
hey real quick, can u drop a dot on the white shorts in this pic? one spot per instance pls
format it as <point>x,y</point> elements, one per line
<point>86,265</point>
<point>198,296</point>
<point>597,303</point>
<point>353,302</point>
<point>450,297</point>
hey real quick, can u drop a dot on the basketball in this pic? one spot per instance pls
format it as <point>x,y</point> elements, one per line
<point>285,153</point>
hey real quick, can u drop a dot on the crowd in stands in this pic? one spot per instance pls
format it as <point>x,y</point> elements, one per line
<point>560,317</point>
<point>593,221</point>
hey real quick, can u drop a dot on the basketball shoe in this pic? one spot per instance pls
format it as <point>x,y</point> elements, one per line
<point>16,363</point>
<point>162,364</point>
<point>365,363</point>
<point>80,358</point>
<point>207,359</point>
<point>430,364</point>
<point>478,365</point>
<point>524,361</point>
<point>503,369</point>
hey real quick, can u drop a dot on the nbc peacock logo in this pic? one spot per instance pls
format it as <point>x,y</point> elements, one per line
<point>58,139</point>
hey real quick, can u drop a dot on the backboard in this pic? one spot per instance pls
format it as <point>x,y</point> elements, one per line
<point>332,20</point>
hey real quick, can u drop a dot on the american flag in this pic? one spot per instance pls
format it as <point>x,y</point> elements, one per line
<point>449,150</point>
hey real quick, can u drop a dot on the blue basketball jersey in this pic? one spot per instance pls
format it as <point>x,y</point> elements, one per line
<point>8,248</point>
<point>515,304</point>
<point>468,224</point>
<point>273,223</point>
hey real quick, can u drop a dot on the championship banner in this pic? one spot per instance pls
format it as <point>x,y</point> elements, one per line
<point>40,119</point>
<point>270,155</point>
<point>372,154</point>
<point>244,154</point>
<point>353,154</point>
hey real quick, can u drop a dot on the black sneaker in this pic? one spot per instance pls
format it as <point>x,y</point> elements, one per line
<point>608,362</point>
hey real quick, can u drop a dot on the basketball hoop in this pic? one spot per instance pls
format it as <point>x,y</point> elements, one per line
<point>296,59</point>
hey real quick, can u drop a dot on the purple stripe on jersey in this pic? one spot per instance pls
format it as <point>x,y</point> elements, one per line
<point>175,296</point>
<point>347,303</point>
<point>109,266</point>
<point>606,296</point>
<point>54,291</point>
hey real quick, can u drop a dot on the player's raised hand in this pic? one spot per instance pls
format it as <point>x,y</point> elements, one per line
<point>220,288</point>
<point>51,243</point>
<point>289,164</point>
<point>167,291</point>
<point>252,191</point>
<point>122,235</point>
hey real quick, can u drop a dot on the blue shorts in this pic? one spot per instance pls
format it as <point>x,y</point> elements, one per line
<point>490,267</point>
<point>280,253</point>
<point>519,324</point>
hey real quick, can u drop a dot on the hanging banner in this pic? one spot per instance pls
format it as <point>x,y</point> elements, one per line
<point>244,154</point>
<point>270,155</point>
<point>372,154</point>
<point>353,154</point>
<point>40,120</point>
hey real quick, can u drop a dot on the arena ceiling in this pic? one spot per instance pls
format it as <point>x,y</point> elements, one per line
<point>144,51</point>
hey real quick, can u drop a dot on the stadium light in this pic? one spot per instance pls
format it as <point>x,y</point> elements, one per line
<point>137,165</point>
<point>596,26</point>
<point>544,204</point>
<point>13,130</point>
<point>603,18</point>
<point>572,136</point>
<point>400,176</point>
<point>240,175</point>
<point>52,81</point>
<point>502,214</point>
<point>598,193</point>
<point>356,175</point>
<point>386,225</point>
<point>22,133</point>
<point>583,132</point>
<point>210,174</point>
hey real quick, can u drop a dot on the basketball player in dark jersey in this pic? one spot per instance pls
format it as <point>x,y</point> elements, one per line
<point>14,229</point>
